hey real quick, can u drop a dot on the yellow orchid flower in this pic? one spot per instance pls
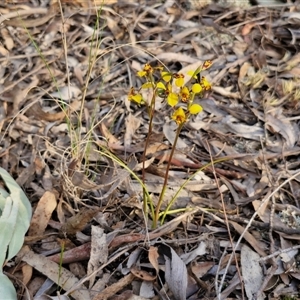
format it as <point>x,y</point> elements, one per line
<point>134,96</point>
<point>147,85</point>
<point>206,85</point>
<point>172,99</point>
<point>146,71</point>
<point>184,94</point>
<point>160,85</point>
<point>195,109</point>
<point>207,64</point>
<point>179,79</point>
<point>196,88</point>
<point>179,116</point>
<point>166,76</point>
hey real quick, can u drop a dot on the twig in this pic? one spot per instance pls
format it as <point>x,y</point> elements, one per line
<point>217,274</point>
<point>227,225</point>
<point>279,252</point>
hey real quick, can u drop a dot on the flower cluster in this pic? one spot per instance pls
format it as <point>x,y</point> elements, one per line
<point>172,88</point>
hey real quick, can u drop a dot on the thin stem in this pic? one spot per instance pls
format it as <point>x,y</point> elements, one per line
<point>166,211</point>
<point>161,196</point>
<point>151,110</point>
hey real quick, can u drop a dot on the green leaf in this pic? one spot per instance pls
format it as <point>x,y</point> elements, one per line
<point>7,290</point>
<point>16,220</point>
<point>15,216</point>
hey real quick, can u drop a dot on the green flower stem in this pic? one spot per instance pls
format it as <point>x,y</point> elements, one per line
<point>161,196</point>
<point>175,211</point>
<point>151,110</point>
<point>167,210</point>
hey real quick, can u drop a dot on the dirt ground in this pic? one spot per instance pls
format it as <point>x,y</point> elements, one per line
<point>73,141</point>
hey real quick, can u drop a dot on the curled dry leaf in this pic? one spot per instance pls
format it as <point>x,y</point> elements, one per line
<point>141,274</point>
<point>247,28</point>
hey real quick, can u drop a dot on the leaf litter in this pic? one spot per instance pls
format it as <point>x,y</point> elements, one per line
<point>56,119</point>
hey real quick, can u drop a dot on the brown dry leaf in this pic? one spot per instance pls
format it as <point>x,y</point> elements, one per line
<point>61,276</point>
<point>164,229</point>
<point>128,238</point>
<point>8,41</point>
<point>99,252</point>
<point>228,124</point>
<point>141,274</point>
<point>26,175</point>
<point>27,272</point>
<point>111,182</point>
<point>19,97</point>
<point>252,272</point>
<point>247,28</point>
<point>132,124</point>
<point>190,256</point>
<point>264,213</point>
<point>153,257</point>
<point>257,245</point>
<point>201,268</point>
<point>226,92</point>
<point>37,111</point>
<point>244,70</point>
<point>78,222</point>
<point>288,259</point>
<point>156,147</point>
<point>114,27</point>
<point>169,130</point>
<point>16,18</point>
<point>154,183</point>
<point>176,275</point>
<point>114,288</point>
<point>107,135</point>
<point>284,127</point>
<point>42,214</point>
<point>67,93</point>
<point>89,3</point>
<point>253,63</point>
<point>76,254</point>
<point>4,52</point>
<point>259,60</point>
